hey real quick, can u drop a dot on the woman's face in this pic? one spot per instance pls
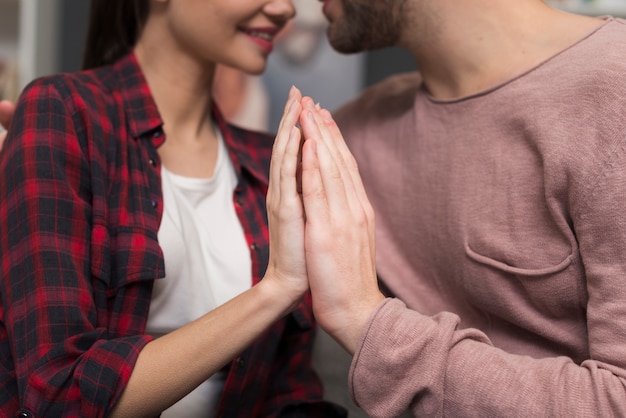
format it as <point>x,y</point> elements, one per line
<point>237,33</point>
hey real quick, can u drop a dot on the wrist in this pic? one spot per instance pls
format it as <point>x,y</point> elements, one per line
<point>350,325</point>
<point>278,294</point>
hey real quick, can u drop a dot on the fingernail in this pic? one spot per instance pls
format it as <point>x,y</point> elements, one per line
<point>292,92</point>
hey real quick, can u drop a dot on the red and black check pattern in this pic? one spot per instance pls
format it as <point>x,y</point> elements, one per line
<point>80,207</point>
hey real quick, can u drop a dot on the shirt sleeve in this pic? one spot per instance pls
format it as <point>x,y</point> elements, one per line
<point>66,362</point>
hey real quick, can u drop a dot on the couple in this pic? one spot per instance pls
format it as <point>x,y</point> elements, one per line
<point>496,175</point>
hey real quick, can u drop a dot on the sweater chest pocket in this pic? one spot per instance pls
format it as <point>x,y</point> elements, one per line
<point>514,283</point>
<point>125,255</point>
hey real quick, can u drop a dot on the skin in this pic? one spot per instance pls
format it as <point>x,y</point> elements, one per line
<point>178,50</point>
<point>230,90</point>
<point>6,114</point>
<point>180,66</point>
<point>461,47</point>
<point>351,29</point>
<point>339,227</point>
<point>160,378</point>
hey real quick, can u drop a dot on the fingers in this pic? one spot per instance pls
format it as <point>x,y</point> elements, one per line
<point>334,182</point>
<point>313,193</point>
<point>335,179</point>
<point>285,213</point>
<point>339,231</point>
<point>289,167</point>
<point>287,142</point>
<point>353,170</point>
<point>347,157</point>
<point>338,179</point>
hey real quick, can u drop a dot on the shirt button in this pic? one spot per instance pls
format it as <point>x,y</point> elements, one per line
<point>157,133</point>
<point>239,202</point>
<point>154,204</point>
<point>240,361</point>
<point>253,247</point>
<point>152,162</point>
<point>24,413</point>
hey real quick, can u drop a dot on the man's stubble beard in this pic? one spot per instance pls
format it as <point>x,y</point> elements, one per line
<point>367,25</point>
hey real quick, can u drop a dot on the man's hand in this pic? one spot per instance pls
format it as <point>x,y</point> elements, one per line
<point>339,231</point>
<point>6,115</point>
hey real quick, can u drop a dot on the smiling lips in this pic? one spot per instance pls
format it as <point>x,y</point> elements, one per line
<point>264,37</point>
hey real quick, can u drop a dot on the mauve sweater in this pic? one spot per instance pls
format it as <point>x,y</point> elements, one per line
<point>501,224</point>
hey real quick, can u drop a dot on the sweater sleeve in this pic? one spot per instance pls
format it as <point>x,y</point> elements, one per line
<point>65,360</point>
<point>428,365</point>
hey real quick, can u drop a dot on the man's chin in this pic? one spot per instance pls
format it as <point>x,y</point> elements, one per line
<point>342,43</point>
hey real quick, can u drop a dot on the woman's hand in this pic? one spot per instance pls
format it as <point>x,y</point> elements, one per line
<point>6,115</point>
<point>284,207</point>
<point>171,366</point>
<point>339,232</point>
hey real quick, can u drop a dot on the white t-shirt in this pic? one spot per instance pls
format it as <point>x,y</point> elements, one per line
<point>207,262</point>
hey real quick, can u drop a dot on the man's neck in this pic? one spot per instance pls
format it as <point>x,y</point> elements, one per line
<point>462,48</point>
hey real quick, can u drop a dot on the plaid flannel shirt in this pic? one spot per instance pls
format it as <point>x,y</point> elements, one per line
<point>80,207</point>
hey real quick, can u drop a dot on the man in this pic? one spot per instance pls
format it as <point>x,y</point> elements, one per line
<point>498,177</point>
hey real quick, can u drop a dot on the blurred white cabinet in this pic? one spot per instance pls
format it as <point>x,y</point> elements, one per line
<point>615,8</point>
<point>28,41</point>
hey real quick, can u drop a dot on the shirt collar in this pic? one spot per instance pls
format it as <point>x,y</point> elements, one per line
<point>143,118</point>
<point>141,110</point>
<point>245,147</point>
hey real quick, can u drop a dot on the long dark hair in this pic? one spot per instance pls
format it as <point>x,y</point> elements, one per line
<point>114,27</point>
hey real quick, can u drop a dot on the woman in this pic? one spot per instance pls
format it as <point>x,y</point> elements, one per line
<point>129,209</point>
